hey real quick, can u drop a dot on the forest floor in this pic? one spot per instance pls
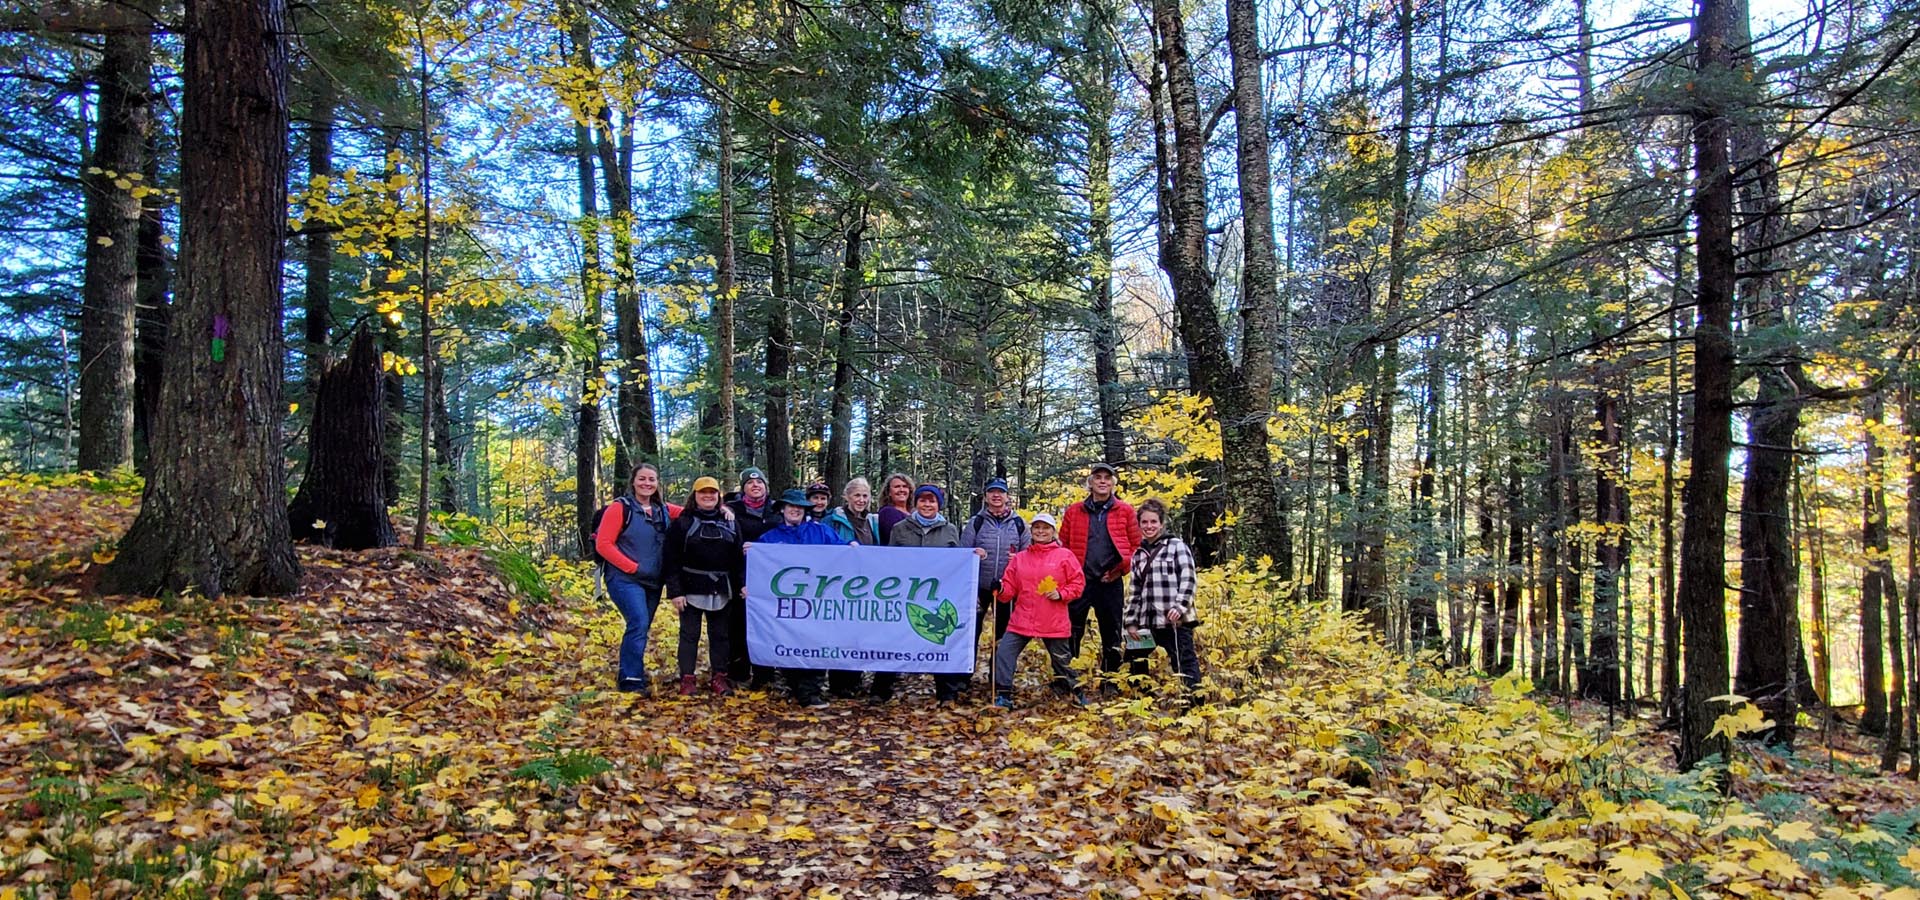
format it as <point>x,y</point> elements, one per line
<point>428,724</point>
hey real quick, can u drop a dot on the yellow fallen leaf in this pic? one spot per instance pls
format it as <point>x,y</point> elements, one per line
<point>368,797</point>
<point>1794,832</point>
<point>104,556</point>
<point>81,891</point>
<point>501,818</point>
<point>794,833</point>
<point>439,875</point>
<point>349,838</point>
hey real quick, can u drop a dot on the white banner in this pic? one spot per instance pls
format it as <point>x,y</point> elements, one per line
<point>873,609</point>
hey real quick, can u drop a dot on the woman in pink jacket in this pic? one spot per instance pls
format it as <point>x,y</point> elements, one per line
<point>1040,581</point>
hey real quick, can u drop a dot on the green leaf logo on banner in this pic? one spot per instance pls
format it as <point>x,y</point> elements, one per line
<point>935,625</point>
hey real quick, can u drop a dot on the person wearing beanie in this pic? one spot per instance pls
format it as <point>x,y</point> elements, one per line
<point>753,512</point>
<point>924,527</point>
<point>796,528</point>
<point>818,496</point>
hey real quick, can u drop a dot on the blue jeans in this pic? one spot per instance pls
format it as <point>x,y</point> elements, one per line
<point>636,603</point>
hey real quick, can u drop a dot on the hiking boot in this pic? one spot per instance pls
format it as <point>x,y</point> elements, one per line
<point>721,686</point>
<point>1080,698</point>
<point>636,686</point>
<point>688,685</point>
<point>1003,702</point>
<point>813,701</point>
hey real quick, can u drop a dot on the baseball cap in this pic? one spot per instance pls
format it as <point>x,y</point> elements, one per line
<point>706,483</point>
<point>1044,519</point>
<point>995,484</point>
<point>819,487</point>
<point>1103,467</point>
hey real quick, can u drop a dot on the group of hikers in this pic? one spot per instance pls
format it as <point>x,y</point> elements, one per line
<point>1041,578</point>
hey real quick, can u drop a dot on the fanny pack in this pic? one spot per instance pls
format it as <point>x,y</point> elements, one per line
<point>711,601</point>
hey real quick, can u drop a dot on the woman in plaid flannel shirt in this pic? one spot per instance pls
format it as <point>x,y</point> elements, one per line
<point>1162,603</point>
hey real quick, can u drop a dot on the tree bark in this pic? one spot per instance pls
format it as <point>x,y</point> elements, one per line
<point>1873,539</point>
<point>840,441</point>
<point>724,283</point>
<point>1602,678</point>
<point>153,308</point>
<point>1703,577</point>
<point>1094,86</point>
<point>639,439</point>
<point>586,436</point>
<point>779,360</point>
<point>110,277</point>
<point>341,503</point>
<point>213,517</point>
<point>318,242</point>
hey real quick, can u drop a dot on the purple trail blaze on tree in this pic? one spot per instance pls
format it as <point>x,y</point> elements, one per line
<point>220,330</point>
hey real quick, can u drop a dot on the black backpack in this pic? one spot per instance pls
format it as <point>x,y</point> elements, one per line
<point>719,529</point>
<point>626,519</point>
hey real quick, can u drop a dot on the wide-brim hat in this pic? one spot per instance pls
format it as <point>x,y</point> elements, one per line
<point>792,497</point>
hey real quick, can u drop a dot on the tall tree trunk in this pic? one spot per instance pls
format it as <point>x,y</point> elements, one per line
<point>1423,613</point>
<point>152,311</point>
<point>1515,578</point>
<point>840,443</point>
<point>341,502</point>
<point>779,361</point>
<point>1703,576</point>
<point>1574,553</point>
<point>1486,584</point>
<point>1249,469</point>
<point>1669,573</point>
<point>639,438</point>
<point>1386,370</point>
<point>586,436</point>
<point>1094,85</point>
<point>1910,413</point>
<point>1811,531</point>
<point>429,387</point>
<point>214,517</point>
<point>318,242</point>
<point>1769,666</point>
<point>1602,678</point>
<point>110,281</point>
<point>724,284</point>
<point>1552,544</point>
<point>1873,539</point>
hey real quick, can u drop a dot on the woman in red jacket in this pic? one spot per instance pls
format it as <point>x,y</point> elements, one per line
<point>1040,581</point>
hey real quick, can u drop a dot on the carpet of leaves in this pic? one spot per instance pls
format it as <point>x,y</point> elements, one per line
<point>410,725</point>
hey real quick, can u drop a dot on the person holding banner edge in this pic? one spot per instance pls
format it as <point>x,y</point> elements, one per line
<point>854,522</point>
<point>1041,581</point>
<point>925,527</point>
<point>1103,533</point>
<point>796,527</point>
<point>705,572</point>
<point>753,512</point>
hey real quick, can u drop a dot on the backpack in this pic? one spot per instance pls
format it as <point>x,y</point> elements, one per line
<point>720,529</point>
<point>980,519</point>
<point>600,515</point>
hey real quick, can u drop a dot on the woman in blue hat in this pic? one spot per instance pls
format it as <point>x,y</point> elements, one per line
<point>795,527</point>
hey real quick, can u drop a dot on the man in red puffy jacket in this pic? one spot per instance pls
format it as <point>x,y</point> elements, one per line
<point>1103,533</point>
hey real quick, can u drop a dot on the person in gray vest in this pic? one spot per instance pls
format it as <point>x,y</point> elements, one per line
<point>994,533</point>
